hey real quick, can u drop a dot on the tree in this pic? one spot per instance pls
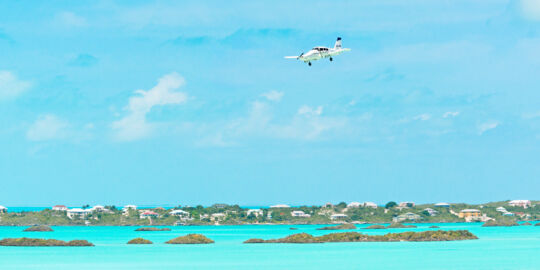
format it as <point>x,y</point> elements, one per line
<point>390,204</point>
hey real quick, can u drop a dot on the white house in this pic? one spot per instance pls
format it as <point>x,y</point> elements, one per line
<point>98,208</point>
<point>59,208</point>
<point>299,214</point>
<point>77,212</point>
<point>520,203</point>
<point>218,216</point>
<point>148,214</point>
<point>280,206</point>
<point>179,213</point>
<point>3,209</point>
<point>354,205</point>
<point>370,204</point>
<point>431,212</point>
<point>508,214</point>
<point>501,209</point>
<point>406,204</point>
<point>406,216</point>
<point>129,207</point>
<point>442,204</point>
<point>255,212</point>
<point>338,217</point>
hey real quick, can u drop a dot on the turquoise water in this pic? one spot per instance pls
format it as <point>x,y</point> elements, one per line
<point>497,248</point>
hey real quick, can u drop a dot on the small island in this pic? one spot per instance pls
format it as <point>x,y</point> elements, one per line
<point>191,239</point>
<point>38,228</point>
<point>426,236</point>
<point>151,229</point>
<point>375,227</point>
<point>526,224</point>
<point>537,224</point>
<point>434,227</point>
<point>345,226</point>
<point>37,242</point>
<point>500,223</point>
<point>139,241</point>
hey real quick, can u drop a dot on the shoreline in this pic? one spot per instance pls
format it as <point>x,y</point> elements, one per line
<point>327,214</point>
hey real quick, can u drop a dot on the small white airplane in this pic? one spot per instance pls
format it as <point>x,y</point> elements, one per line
<point>320,53</point>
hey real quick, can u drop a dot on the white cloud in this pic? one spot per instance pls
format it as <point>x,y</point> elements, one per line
<point>450,114</point>
<point>11,86</point>
<point>483,127</point>
<point>273,95</point>
<point>70,19</point>
<point>422,117</point>
<point>47,127</point>
<point>306,124</point>
<point>134,126</point>
<point>307,129</point>
<point>531,9</point>
<point>309,111</point>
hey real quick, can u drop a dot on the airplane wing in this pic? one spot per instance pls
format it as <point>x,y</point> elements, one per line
<point>291,57</point>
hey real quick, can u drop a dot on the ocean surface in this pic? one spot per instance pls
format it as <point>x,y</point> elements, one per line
<point>497,248</point>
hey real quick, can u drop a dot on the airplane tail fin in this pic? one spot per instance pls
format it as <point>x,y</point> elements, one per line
<point>338,43</point>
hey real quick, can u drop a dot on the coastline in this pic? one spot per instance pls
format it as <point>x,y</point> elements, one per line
<point>223,214</point>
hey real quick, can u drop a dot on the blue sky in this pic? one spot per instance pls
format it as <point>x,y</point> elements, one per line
<point>192,102</point>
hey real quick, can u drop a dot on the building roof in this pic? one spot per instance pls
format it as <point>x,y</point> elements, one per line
<point>147,213</point>
<point>178,211</point>
<point>354,204</point>
<point>442,204</point>
<point>280,206</point>
<point>520,201</point>
<point>3,207</point>
<point>470,211</point>
<point>78,210</point>
<point>409,214</point>
<point>370,204</point>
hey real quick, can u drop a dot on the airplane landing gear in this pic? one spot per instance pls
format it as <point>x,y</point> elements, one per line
<point>331,59</point>
<point>309,64</point>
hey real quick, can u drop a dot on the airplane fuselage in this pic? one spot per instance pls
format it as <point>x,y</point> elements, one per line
<point>318,53</point>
